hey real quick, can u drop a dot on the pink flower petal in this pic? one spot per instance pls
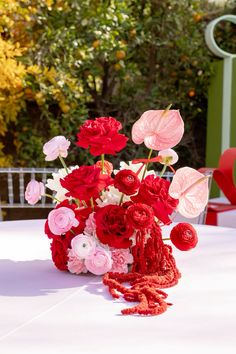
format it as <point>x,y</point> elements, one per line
<point>191,188</point>
<point>158,130</point>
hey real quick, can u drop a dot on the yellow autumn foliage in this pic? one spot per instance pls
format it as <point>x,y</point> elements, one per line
<point>12,74</point>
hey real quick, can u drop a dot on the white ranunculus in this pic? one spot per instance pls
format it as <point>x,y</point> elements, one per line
<point>169,157</point>
<point>83,246</point>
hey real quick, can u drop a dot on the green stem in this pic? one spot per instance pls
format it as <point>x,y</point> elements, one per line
<point>50,196</point>
<point>166,239</point>
<point>163,170</point>
<point>63,164</point>
<point>77,202</point>
<point>121,198</point>
<point>103,159</point>
<point>146,166</point>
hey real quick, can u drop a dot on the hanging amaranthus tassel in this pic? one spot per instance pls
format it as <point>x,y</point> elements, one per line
<point>153,268</point>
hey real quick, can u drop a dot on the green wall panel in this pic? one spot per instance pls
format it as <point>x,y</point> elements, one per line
<point>214,120</point>
<point>214,117</point>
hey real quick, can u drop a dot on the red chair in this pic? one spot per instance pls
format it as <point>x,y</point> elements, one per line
<point>223,175</point>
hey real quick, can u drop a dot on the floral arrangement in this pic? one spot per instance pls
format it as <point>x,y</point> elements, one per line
<point>108,222</point>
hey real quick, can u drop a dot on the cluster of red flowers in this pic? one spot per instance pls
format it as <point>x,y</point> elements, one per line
<point>109,222</point>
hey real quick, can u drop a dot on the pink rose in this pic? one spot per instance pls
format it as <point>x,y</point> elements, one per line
<point>61,220</point>
<point>75,265</point>
<point>55,147</point>
<point>34,191</point>
<point>121,258</point>
<point>83,246</point>
<point>100,262</point>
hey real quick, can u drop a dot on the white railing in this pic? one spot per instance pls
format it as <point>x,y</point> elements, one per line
<point>13,182</point>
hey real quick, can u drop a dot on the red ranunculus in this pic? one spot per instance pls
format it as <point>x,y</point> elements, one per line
<point>127,182</point>
<point>101,136</point>
<point>140,216</point>
<point>184,236</point>
<point>85,182</point>
<point>59,253</point>
<point>112,228</point>
<point>154,192</point>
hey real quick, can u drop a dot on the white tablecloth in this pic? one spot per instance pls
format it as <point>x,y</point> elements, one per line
<point>43,310</point>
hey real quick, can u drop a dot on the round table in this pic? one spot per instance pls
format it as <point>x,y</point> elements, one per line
<point>47,311</point>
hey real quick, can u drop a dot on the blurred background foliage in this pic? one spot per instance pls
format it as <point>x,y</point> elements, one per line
<point>63,61</point>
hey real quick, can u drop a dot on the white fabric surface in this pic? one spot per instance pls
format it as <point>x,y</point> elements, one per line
<point>43,310</point>
<point>225,218</point>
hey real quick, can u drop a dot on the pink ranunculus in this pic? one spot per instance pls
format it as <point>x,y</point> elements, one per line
<point>158,129</point>
<point>61,220</point>
<point>191,188</point>
<point>83,246</point>
<point>55,147</point>
<point>169,157</point>
<point>75,265</point>
<point>121,258</point>
<point>99,262</point>
<point>34,191</point>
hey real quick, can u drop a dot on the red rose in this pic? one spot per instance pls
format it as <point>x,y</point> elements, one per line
<point>101,136</point>
<point>112,228</point>
<point>140,216</point>
<point>184,236</point>
<point>59,253</point>
<point>85,182</point>
<point>127,182</point>
<point>154,192</point>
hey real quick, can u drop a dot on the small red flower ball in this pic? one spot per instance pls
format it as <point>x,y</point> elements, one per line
<point>127,182</point>
<point>140,216</point>
<point>184,236</point>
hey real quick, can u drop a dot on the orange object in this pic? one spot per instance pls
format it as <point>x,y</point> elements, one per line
<point>120,54</point>
<point>192,93</point>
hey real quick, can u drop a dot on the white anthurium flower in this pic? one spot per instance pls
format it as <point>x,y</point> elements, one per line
<point>169,157</point>
<point>55,185</point>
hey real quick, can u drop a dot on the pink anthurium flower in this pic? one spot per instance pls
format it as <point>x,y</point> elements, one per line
<point>158,129</point>
<point>191,188</point>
